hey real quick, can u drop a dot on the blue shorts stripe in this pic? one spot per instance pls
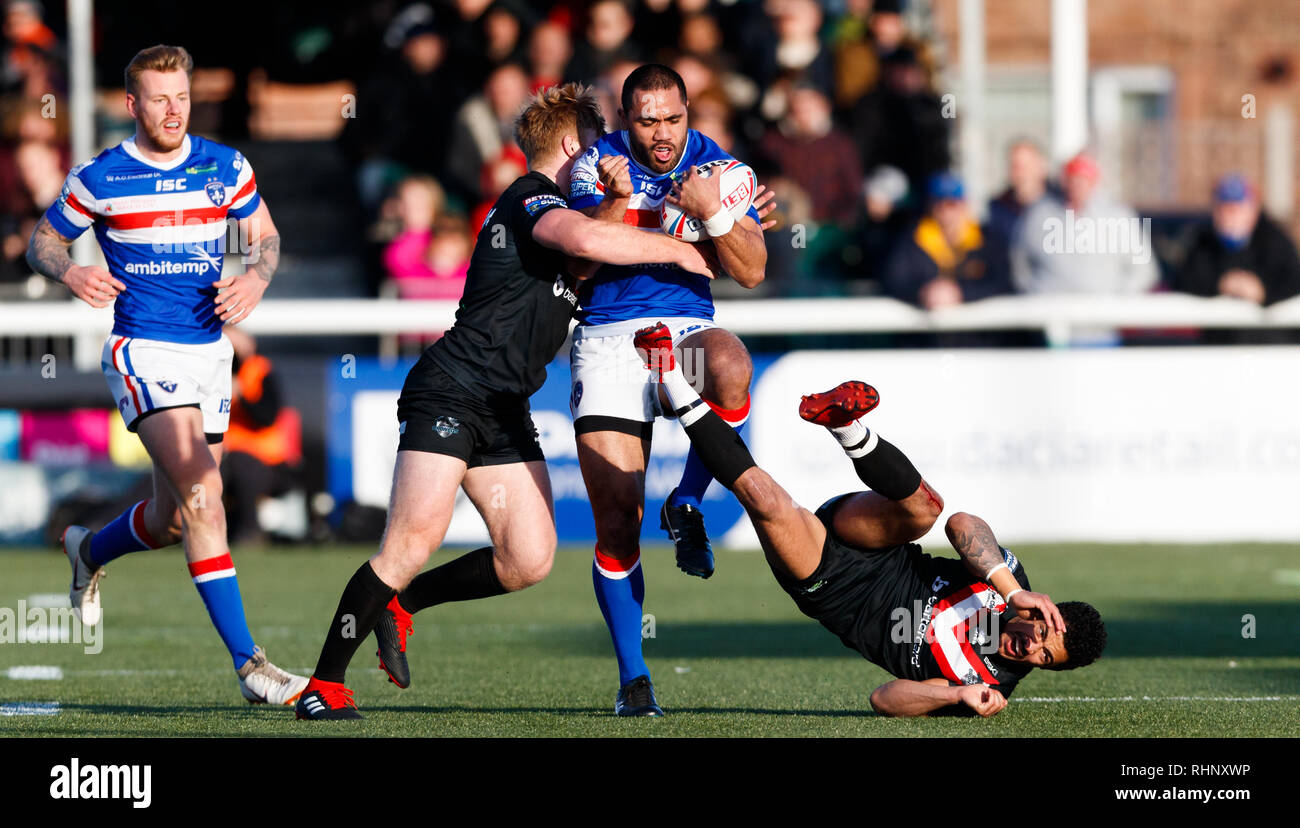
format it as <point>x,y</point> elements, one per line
<point>144,386</point>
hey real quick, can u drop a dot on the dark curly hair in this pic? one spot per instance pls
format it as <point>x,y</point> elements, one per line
<point>1085,634</point>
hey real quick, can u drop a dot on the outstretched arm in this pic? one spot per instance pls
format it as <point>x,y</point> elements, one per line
<point>47,254</point>
<point>904,697</point>
<point>580,237</point>
<point>979,551</point>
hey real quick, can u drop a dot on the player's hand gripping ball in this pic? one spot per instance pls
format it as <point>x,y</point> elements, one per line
<point>736,192</point>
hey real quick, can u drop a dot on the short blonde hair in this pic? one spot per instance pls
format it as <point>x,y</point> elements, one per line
<point>159,58</point>
<point>554,112</point>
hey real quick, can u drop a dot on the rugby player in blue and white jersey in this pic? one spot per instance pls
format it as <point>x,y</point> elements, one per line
<point>626,177</point>
<point>159,203</point>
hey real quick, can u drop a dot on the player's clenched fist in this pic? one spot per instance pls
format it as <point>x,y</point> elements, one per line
<point>615,176</point>
<point>92,284</point>
<point>982,699</point>
<point>697,196</point>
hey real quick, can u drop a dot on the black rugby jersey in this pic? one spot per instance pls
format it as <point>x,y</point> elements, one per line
<point>518,300</point>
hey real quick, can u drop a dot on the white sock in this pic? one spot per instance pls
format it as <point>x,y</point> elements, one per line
<point>682,395</point>
<point>856,439</point>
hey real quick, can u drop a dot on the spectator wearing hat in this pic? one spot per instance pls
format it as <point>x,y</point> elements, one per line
<point>1082,242</point>
<point>1240,252</point>
<point>946,260</point>
<point>885,218</point>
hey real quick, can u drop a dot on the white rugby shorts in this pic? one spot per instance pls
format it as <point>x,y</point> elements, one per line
<point>146,375</point>
<point>609,378</point>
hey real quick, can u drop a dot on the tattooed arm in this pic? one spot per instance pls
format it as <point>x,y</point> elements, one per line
<point>238,295</point>
<point>974,541</point>
<point>979,551</point>
<point>47,254</point>
<point>266,257</point>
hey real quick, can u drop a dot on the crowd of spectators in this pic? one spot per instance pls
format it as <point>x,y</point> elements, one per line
<point>833,102</point>
<point>33,144</point>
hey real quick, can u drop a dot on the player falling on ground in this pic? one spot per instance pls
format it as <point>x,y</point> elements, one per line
<point>463,413</point>
<point>625,178</point>
<point>958,635</point>
<point>159,202</point>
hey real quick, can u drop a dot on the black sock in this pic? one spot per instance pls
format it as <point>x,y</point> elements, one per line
<point>724,454</point>
<point>470,576</point>
<point>887,470</point>
<point>364,598</point>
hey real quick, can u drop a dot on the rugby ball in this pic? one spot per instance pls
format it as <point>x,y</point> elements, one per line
<point>737,192</point>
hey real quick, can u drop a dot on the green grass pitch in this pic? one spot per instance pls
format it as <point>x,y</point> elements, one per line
<point>1202,643</point>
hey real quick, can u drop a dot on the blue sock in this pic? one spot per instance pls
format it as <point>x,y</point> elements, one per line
<point>124,535</point>
<point>620,591</point>
<point>695,477</point>
<point>219,589</point>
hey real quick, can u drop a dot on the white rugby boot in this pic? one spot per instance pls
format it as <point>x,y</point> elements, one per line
<point>262,682</point>
<point>83,593</point>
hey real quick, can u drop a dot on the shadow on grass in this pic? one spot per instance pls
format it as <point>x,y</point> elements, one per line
<point>1189,629</point>
<point>722,640</point>
<point>590,711</point>
<point>606,713</point>
<point>1260,629</point>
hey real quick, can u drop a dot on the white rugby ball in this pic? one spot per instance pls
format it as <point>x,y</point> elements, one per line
<point>737,192</point>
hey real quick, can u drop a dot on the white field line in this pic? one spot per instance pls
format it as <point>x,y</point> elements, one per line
<point>34,672</point>
<point>1290,577</point>
<point>29,709</point>
<point>52,600</point>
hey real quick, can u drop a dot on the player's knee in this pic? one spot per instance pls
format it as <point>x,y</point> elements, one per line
<point>926,505</point>
<point>406,549</point>
<point>618,529</point>
<point>200,502</point>
<point>761,495</point>
<point>523,573</point>
<point>727,383</point>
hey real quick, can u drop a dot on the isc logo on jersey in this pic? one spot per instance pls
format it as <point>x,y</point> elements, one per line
<point>736,191</point>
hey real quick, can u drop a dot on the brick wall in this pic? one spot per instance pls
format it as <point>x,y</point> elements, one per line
<point>1218,51</point>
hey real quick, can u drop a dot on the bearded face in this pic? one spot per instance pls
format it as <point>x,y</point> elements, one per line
<point>161,108</point>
